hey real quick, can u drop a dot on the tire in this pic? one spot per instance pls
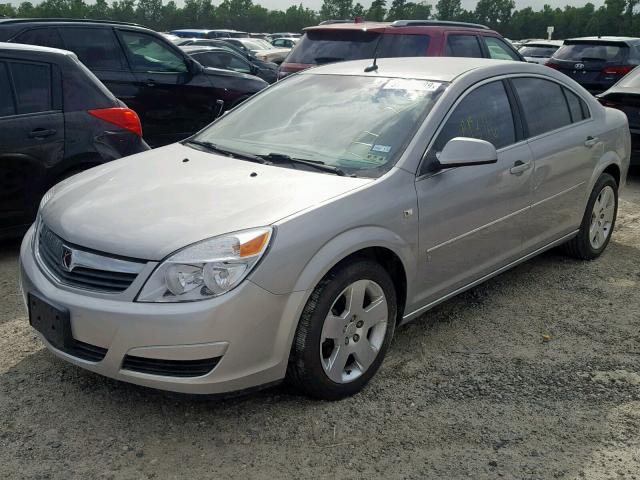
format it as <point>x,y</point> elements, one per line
<point>367,330</point>
<point>583,246</point>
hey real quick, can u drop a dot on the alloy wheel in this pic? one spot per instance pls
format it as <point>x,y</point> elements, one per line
<point>353,331</point>
<point>602,217</point>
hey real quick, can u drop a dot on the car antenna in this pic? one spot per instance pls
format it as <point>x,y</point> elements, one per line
<point>374,66</point>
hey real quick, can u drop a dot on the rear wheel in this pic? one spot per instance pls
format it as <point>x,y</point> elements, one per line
<point>344,331</point>
<point>598,221</point>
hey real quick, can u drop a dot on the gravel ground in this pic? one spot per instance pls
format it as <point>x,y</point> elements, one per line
<point>533,375</point>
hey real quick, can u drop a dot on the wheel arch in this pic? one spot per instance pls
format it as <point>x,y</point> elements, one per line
<point>385,247</point>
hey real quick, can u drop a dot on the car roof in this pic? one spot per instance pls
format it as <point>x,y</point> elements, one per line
<point>21,47</point>
<point>553,43</point>
<point>14,21</point>
<point>398,24</point>
<point>604,39</point>
<point>443,69</point>
<point>203,48</point>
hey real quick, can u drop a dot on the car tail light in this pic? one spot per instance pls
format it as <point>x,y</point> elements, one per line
<point>555,66</point>
<point>618,70</point>
<point>122,117</point>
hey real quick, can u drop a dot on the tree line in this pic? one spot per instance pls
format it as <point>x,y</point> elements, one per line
<point>615,17</point>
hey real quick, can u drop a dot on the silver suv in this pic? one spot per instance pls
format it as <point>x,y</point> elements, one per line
<point>291,236</point>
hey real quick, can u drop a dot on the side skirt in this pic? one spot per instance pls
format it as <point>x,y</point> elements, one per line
<point>410,316</point>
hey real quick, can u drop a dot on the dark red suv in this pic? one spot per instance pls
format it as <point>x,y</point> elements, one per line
<point>403,38</point>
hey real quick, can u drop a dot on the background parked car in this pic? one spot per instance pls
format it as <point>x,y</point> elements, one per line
<point>224,44</point>
<point>226,59</point>
<point>539,51</point>
<point>173,94</point>
<point>597,63</point>
<point>284,42</point>
<point>56,119</point>
<point>204,33</point>
<point>262,49</point>
<point>337,42</point>
<point>273,36</point>
<point>625,96</point>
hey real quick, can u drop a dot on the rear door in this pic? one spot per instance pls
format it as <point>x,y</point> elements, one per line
<point>103,55</point>
<point>31,136</point>
<point>173,100</point>
<point>564,144</point>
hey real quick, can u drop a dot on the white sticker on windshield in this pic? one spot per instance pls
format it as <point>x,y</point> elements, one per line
<point>415,85</point>
<point>381,148</point>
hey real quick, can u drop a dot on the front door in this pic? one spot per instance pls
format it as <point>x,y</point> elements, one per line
<point>472,218</point>
<point>173,101</point>
<point>31,137</point>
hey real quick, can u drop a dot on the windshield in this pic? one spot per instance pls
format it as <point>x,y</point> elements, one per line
<point>590,52</point>
<point>355,123</point>
<point>538,51</point>
<point>318,47</point>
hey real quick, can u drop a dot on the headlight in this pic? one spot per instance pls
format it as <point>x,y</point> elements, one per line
<point>206,269</point>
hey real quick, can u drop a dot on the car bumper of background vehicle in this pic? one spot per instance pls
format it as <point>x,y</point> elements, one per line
<point>244,334</point>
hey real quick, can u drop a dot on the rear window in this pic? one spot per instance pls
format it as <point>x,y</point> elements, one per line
<point>591,52</point>
<point>318,47</point>
<point>538,51</point>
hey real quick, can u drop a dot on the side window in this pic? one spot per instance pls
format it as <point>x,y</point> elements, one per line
<point>101,53</point>
<point>542,116</point>
<point>498,50</point>
<point>45,37</point>
<point>207,59</point>
<point>404,46</point>
<point>463,46</point>
<point>6,96</point>
<point>149,54</point>
<point>485,113</point>
<point>237,64</point>
<point>32,82</point>
<point>577,108</point>
<point>278,43</point>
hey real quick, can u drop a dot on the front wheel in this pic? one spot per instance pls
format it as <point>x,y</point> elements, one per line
<point>344,331</point>
<point>598,221</point>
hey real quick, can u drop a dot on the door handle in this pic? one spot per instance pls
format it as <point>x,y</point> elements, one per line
<point>150,83</point>
<point>519,167</point>
<point>41,133</point>
<point>591,141</point>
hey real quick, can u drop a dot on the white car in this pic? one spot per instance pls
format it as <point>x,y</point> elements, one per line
<point>539,51</point>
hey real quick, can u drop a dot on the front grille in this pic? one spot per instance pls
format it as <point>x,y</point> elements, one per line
<point>85,351</point>
<point>51,251</point>
<point>170,368</point>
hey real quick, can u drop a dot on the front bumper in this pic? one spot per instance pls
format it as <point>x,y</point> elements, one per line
<point>249,329</point>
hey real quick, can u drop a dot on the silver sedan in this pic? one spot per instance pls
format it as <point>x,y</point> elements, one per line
<point>289,238</point>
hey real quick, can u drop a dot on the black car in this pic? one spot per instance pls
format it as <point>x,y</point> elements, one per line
<point>174,95</point>
<point>56,119</point>
<point>625,96</point>
<point>225,43</point>
<point>227,59</point>
<point>597,63</point>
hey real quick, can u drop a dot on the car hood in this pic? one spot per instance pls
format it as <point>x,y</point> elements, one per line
<point>154,203</point>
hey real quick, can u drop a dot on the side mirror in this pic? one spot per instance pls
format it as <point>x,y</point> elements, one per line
<point>219,108</point>
<point>462,151</point>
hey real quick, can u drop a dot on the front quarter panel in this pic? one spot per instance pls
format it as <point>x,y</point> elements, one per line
<point>307,245</point>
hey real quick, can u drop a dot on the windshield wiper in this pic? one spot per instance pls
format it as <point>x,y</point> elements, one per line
<point>229,153</point>
<point>317,164</point>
